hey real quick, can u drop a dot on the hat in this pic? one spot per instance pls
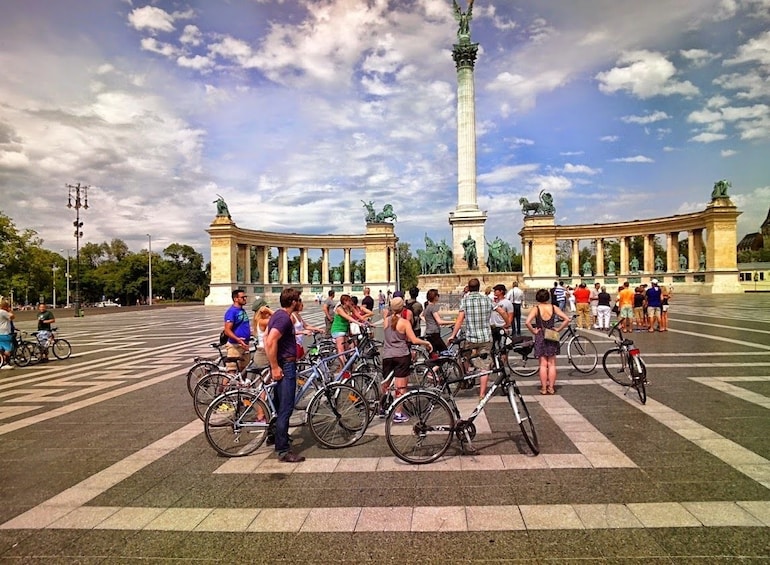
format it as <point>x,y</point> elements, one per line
<point>398,294</point>
<point>654,281</point>
<point>397,304</point>
<point>258,303</point>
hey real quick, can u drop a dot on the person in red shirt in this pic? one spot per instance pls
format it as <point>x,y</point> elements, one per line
<point>582,303</point>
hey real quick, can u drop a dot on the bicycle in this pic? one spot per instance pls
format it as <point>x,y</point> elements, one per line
<point>434,418</point>
<point>203,366</point>
<point>337,416</point>
<point>632,373</point>
<point>60,347</point>
<point>23,350</point>
<point>581,352</point>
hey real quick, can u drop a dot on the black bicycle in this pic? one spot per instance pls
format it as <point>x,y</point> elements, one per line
<point>624,364</point>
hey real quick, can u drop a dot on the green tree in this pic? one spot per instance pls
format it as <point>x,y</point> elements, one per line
<point>408,267</point>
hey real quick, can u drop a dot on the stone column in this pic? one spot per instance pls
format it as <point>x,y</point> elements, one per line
<point>247,266</point>
<point>525,250</point>
<point>600,257</point>
<point>304,276</point>
<point>672,252</point>
<point>346,266</point>
<point>576,259</point>
<point>624,267</point>
<point>283,265</point>
<point>325,266</point>
<point>693,250</point>
<point>265,265</point>
<point>648,265</point>
<point>721,242</point>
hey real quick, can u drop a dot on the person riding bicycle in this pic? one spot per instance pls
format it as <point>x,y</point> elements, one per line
<point>45,321</point>
<point>6,333</point>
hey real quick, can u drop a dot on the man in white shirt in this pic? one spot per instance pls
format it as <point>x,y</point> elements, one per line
<point>516,298</point>
<point>500,319</point>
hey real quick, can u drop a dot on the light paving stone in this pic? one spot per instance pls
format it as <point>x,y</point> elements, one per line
<point>550,517</point>
<point>451,463</point>
<point>492,518</point>
<point>74,496</point>
<point>731,453</point>
<point>279,520</point>
<point>393,464</point>
<point>523,462</point>
<point>318,465</point>
<point>697,433</point>
<point>179,519</point>
<point>227,520</point>
<point>663,515</point>
<point>481,463</point>
<point>565,461</point>
<point>85,517</point>
<point>357,465</point>
<point>721,514</point>
<point>274,466</point>
<point>131,518</point>
<point>240,465</point>
<point>605,516</point>
<point>381,519</point>
<point>760,509</point>
<point>439,519</point>
<point>331,520</point>
<point>589,435</point>
<point>760,473</point>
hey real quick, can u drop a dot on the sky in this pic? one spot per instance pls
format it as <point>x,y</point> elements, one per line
<point>294,111</point>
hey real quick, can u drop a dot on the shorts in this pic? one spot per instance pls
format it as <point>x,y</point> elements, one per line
<point>335,335</point>
<point>654,311</point>
<point>478,349</point>
<point>400,366</point>
<point>594,308</point>
<point>665,307</point>
<point>6,343</point>
<point>236,355</point>
<point>627,312</point>
<point>639,312</point>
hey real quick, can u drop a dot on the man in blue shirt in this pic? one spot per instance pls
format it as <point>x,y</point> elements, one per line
<point>238,332</point>
<point>654,303</point>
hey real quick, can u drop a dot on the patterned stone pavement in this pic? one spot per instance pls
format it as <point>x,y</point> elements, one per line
<point>104,461</point>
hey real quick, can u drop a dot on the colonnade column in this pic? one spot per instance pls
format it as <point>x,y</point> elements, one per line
<point>325,266</point>
<point>599,257</point>
<point>283,265</point>
<point>265,265</point>
<point>575,258</point>
<point>247,265</point>
<point>304,278</point>
<point>692,252</point>
<point>346,266</point>
<point>624,269</point>
<point>649,259</point>
<point>525,268</point>
<point>672,251</point>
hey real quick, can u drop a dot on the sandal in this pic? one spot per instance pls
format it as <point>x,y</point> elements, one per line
<point>543,391</point>
<point>551,390</point>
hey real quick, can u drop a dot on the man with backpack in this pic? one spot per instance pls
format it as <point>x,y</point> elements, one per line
<point>416,309</point>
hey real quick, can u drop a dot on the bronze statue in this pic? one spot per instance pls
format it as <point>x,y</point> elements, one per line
<point>371,216</point>
<point>720,189</point>
<point>471,256</point>
<point>545,207</point>
<point>463,19</point>
<point>222,209</point>
<point>386,214</point>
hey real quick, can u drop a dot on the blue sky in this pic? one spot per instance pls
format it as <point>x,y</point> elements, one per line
<point>296,110</point>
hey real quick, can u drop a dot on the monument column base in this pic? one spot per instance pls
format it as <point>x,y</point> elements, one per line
<point>465,223</point>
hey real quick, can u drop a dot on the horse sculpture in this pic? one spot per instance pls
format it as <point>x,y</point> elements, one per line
<point>386,214</point>
<point>544,207</point>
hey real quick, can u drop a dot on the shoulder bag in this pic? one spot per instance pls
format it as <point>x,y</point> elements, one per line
<point>548,333</point>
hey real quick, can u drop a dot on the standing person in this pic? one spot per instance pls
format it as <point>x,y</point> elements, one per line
<point>666,293</point>
<point>593,300</point>
<point>582,300</point>
<point>433,322</point>
<point>396,356</point>
<point>344,315</point>
<point>475,310</point>
<point>238,332</point>
<point>500,323</point>
<point>381,302</point>
<point>262,313</point>
<point>626,307</point>
<point>561,296</point>
<point>544,315</point>
<point>571,300</point>
<point>603,309</point>
<point>281,349</point>
<point>639,299</point>
<point>328,309</point>
<point>367,301</point>
<point>516,297</point>
<point>45,321</point>
<point>416,309</point>
<point>6,333</point>
<point>654,303</point>
<point>301,328</point>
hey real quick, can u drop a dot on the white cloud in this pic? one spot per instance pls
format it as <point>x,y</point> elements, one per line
<point>698,57</point>
<point>571,153</point>
<point>13,160</point>
<point>647,119</point>
<point>755,50</point>
<point>197,62</point>
<point>569,168</point>
<point>191,36</point>
<point>609,138</point>
<point>728,152</point>
<point>160,47</point>
<point>634,159</point>
<point>506,173</point>
<point>708,137</point>
<point>151,18</point>
<point>644,74</point>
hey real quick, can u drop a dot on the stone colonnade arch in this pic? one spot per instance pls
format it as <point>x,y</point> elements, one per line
<point>719,275</point>
<point>231,266</point>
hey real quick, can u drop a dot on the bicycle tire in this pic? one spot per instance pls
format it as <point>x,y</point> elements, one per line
<point>522,365</point>
<point>521,413</point>
<point>622,376</point>
<point>61,348</point>
<point>301,401</point>
<point>639,373</point>
<point>338,415</point>
<point>426,436</point>
<point>208,388</point>
<point>198,371</point>
<point>367,385</point>
<point>23,354</point>
<point>581,352</point>
<point>447,375</point>
<point>225,429</point>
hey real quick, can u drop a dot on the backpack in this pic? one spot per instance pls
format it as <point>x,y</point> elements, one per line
<point>415,315</point>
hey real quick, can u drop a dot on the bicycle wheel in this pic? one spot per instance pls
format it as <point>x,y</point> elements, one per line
<point>367,385</point>
<point>61,348</point>
<point>23,354</point>
<point>445,374</point>
<point>198,371</point>
<point>524,365</point>
<point>581,352</point>
<point>639,374</point>
<point>621,375</point>
<point>427,433</point>
<point>338,415</point>
<point>521,413</point>
<point>302,399</point>
<point>231,424</point>
<point>207,389</point>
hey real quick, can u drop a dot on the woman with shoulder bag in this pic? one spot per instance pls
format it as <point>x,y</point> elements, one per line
<point>546,343</point>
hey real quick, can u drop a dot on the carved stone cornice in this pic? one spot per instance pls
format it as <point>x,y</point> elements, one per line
<point>464,55</point>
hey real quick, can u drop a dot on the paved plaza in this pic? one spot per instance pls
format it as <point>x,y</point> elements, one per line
<point>103,460</point>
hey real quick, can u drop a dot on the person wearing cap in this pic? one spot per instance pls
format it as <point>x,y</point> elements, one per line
<point>262,313</point>
<point>474,314</point>
<point>654,303</point>
<point>396,356</point>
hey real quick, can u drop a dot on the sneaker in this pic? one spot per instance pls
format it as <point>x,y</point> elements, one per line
<point>381,414</point>
<point>291,457</point>
<point>7,367</point>
<point>399,418</point>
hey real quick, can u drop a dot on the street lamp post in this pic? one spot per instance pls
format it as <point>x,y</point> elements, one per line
<point>77,198</point>
<point>149,266</point>
<point>54,268</point>
<point>67,276</point>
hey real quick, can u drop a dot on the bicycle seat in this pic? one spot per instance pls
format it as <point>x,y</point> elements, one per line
<point>214,345</point>
<point>627,342</point>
